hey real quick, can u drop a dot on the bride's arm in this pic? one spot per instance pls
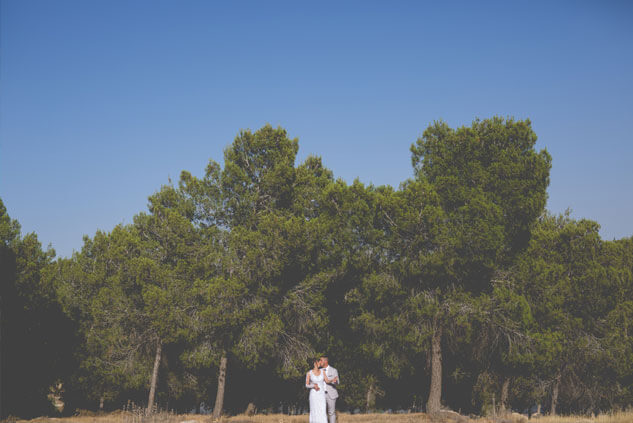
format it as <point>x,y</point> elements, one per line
<point>311,386</point>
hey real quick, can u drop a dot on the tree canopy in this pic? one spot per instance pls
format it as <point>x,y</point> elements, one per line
<point>451,288</point>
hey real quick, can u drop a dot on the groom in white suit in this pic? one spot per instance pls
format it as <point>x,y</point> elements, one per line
<point>331,394</point>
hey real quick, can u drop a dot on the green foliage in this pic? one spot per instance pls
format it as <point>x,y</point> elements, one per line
<point>36,337</point>
<point>477,191</point>
<point>262,263</point>
<point>489,175</point>
<point>573,296</point>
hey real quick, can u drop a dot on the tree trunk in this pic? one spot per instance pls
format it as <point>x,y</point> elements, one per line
<point>152,386</point>
<point>503,407</point>
<point>1,340</point>
<point>370,400</point>
<point>250,409</point>
<point>219,398</point>
<point>555,394</point>
<point>435,391</point>
<point>101,402</point>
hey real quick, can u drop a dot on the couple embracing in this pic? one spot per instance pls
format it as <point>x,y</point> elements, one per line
<point>322,381</point>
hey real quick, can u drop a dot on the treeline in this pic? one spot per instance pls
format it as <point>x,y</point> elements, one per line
<point>452,289</point>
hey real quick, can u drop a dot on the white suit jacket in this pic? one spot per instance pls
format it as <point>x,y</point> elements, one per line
<point>330,388</point>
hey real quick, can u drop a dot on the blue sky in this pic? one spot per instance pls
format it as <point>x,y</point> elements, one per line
<point>102,101</point>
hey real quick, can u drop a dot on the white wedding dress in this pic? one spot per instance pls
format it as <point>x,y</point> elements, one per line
<point>317,399</point>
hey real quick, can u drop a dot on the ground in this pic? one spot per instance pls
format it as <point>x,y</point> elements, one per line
<point>445,417</point>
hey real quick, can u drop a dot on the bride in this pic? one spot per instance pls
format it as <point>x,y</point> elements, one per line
<point>315,382</point>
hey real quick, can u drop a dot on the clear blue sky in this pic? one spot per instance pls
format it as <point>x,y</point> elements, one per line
<point>102,101</point>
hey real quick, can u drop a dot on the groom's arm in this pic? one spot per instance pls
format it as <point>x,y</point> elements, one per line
<point>334,380</point>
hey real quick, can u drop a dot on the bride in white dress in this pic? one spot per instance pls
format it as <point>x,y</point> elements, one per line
<point>315,382</point>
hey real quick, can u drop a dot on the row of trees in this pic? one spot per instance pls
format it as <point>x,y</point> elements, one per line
<point>455,287</point>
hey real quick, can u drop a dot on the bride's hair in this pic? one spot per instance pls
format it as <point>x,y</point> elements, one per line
<point>312,360</point>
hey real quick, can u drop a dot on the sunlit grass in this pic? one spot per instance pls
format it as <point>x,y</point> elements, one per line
<point>165,417</point>
<point>603,418</point>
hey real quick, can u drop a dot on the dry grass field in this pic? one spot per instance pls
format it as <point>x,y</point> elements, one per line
<point>447,417</point>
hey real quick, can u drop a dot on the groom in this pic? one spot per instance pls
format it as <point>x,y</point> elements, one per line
<point>331,394</point>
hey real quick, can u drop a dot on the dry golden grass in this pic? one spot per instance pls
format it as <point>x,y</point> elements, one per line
<point>342,418</point>
<point>126,417</point>
<point>604,418</point>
